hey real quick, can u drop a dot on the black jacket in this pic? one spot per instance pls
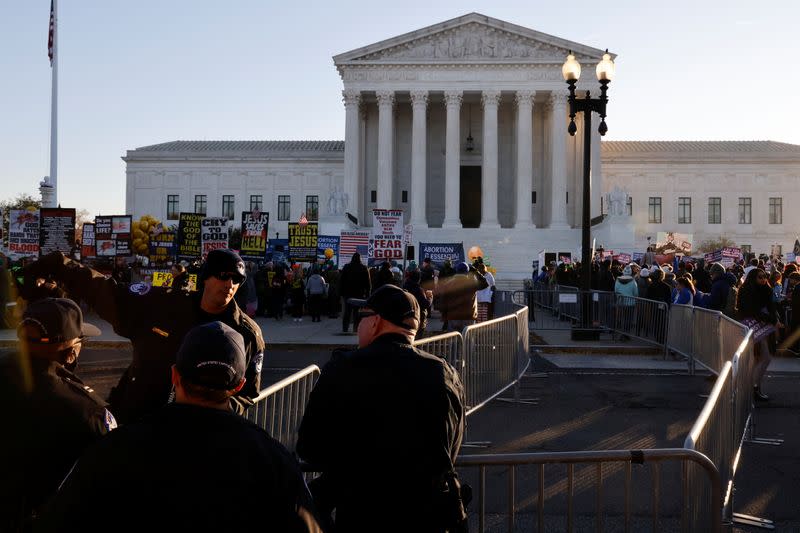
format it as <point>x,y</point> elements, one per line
<point>382,424</point>
<point>50,417</point>
<point>354,281</point>
<point>155,319</point>
<point>658,290</point>
<point>184,468</point>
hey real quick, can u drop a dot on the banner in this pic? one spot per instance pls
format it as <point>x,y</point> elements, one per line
<point>386,243</point>
<point>623,258</point>
<point>276,251</point>
<point>668,243</point>
<point>87,241</point>
<point>163,246</point>
<point>56,230</point>
<point>255,235</point>
<point>325,242</point>
<point>189,235</point>
<point>163,278</point>
<point>214,234</point>
<point>303,242</point>
<point>23,232</point>
<point>439,252</point>
<point>351,242</point>
<point>113,236</point>
<point>638,257</point>
<point>730,255</point>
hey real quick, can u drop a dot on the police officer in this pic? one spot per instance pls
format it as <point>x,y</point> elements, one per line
<point>156,319</point>
<point>193,465</point>
<point>386,408</point>
<point>49,415</point>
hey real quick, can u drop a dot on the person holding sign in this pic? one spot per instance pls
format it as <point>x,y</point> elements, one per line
<point>156,319</point>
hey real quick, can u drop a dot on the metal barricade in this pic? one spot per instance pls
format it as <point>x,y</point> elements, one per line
<point>679,332</point>
<point>448,346</point>
<point>649,321</point>
<point>279,408</point>
<point>491,352</point>
<point>706,340</point>
<point>584,472</point>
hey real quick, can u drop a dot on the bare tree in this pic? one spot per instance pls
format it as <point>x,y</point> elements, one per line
<point>712,245</point>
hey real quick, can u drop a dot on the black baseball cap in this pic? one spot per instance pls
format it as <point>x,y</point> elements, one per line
<point>393,304</point>
<point>54,324</point>
<point>223,260</point>
<point>212,355</point>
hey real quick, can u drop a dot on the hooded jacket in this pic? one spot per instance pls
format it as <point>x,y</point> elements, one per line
<point>720,288</point>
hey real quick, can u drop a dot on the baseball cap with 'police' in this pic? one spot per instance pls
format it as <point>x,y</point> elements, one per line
<point>53,324</point>
<point>393,304</point>
<point>212,355</point>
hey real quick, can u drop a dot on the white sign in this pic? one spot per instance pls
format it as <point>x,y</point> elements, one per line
<point>213,234</point>
<point>387,235</point>
<point>408,234</point>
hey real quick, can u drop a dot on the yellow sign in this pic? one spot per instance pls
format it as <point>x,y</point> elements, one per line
<point>164,279</point>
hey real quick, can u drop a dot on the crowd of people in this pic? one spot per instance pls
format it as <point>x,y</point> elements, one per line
<point>169,443</point>
<point>761,293</point>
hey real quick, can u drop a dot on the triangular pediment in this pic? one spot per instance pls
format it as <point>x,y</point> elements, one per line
<point>472,38</point>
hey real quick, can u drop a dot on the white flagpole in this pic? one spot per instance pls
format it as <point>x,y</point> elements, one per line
<point>54,110</point>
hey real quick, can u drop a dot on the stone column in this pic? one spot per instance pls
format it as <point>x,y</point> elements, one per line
<point>452,162</point>
<point>597,168</point>
<point>352,153</point>
<point>558,170</point>
<point>419,102</point>
<point>490,101</point>
<point>385,148</point>
<point>524,157</point>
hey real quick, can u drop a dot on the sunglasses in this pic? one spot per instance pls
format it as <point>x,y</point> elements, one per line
<point>234,276</point>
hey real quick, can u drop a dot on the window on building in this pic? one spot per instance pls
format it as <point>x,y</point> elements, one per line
<point>715,210</point>
<point>745,210</point>
<point>284,206</point>
<point>173,206</point>
<point>684,210</point>
<point>200,204</point>
<point>373,196</point>
<point>654,210</point>
<point>628,204</point>
<point>404,197</point>
<point>312,208</point>
<point>256,202</point>
<point>776,210</point>
<point>228,206</point>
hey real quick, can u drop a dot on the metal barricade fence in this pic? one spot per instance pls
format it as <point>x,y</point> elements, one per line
<point>679,332</point>
<point>491,352</point>
<point>448,346</point>
<point>713,435</point>
<point>279,408</point>
<point>583,481</point>
<point>707,340</point>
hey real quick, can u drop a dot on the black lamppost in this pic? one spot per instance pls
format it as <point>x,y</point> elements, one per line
<point>571,70</point>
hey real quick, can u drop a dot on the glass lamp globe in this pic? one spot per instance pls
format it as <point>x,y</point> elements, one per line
<point>605,68</point>
<point>571,70</point>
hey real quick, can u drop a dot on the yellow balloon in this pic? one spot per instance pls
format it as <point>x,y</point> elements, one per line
<point>143,225</point>
<point>138,234</point>
<point>328,253</point>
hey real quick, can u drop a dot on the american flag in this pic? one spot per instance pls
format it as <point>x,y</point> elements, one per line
<point>51,34</point>
<point>350,243</point>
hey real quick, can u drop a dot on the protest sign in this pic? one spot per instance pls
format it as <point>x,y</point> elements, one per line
<point>163,278</point>
<point>23,232</point>
<point>255,235</point>
<point>56,230</point>
<point>87,241</point>
<point>112,236</point>
<point>351,242</point>
<point>276,251</point>
<point>213,234</point>
<point>189,235</point>
<point>638,257</point>
<point>623,258</point>
<point>729,255</point>
<point>386,243</point>
<point>303,242</point>
<point>325,242</point>
<point>439,252</point>
<point>163,246</point>
<point>669,243</point>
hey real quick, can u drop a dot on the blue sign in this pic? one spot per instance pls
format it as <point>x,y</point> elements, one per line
<point>278,251</point>
<point>328,241</point>
<point>439,252</point>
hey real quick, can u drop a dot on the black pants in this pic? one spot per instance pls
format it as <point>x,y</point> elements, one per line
<point>315,306</point>
<point>349,311</point>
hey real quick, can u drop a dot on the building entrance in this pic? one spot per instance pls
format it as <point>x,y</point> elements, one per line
<point>470,201</point>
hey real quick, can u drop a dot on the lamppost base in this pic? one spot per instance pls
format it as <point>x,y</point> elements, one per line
<point>585,334</point>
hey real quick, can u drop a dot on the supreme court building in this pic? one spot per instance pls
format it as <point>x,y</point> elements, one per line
<point>463,125</point>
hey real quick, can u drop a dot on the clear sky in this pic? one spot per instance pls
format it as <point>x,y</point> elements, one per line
<point>151,71</point>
